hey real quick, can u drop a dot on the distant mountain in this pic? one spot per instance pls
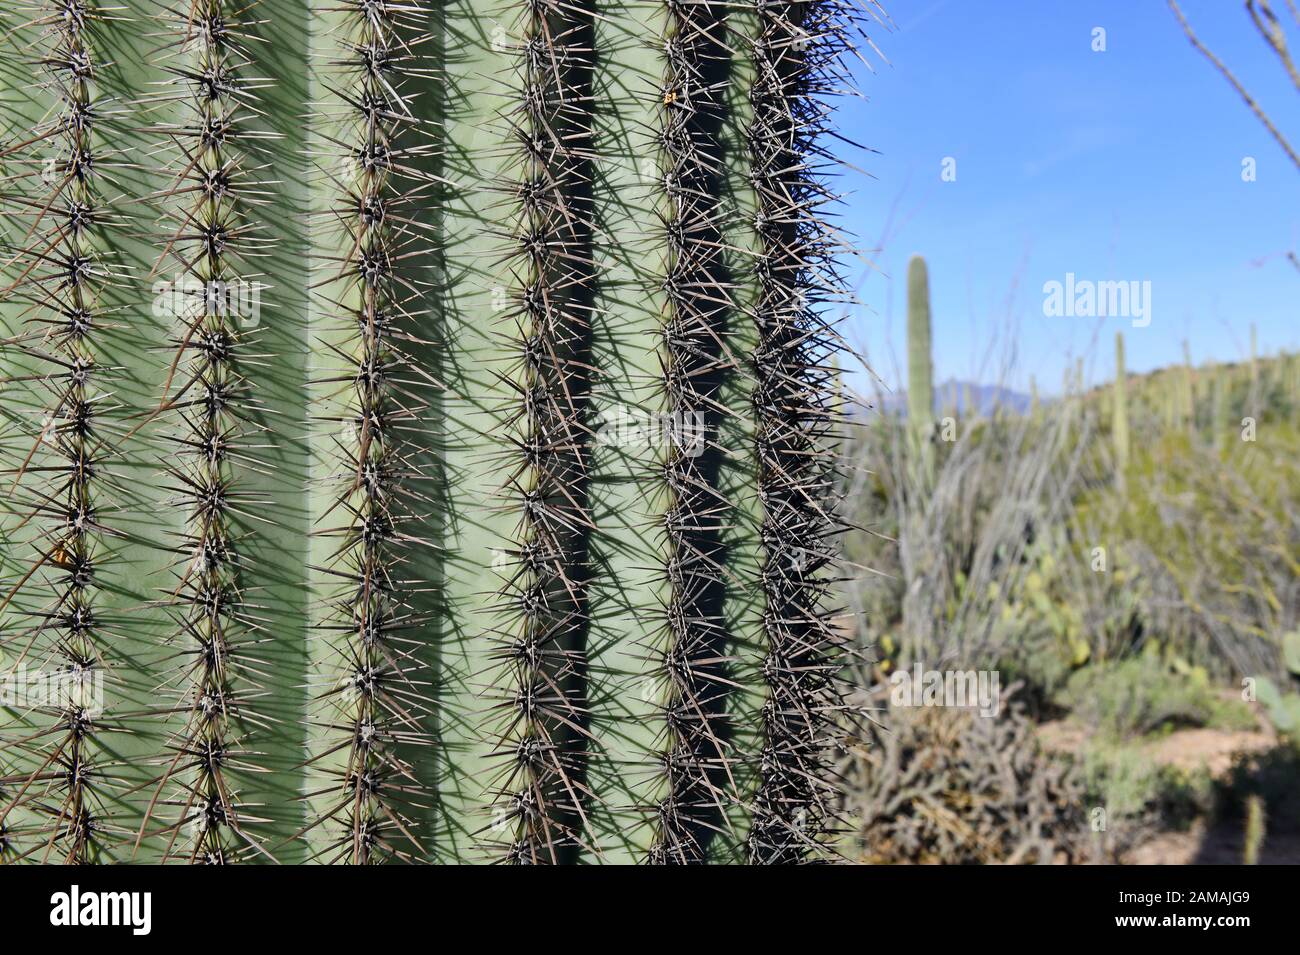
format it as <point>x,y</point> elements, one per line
<point>984,398</point>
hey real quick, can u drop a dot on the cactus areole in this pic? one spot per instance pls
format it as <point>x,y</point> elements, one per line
<point>445,476</point>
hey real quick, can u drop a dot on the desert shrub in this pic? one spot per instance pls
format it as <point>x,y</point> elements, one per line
<point>1139,794</point>
<point>945,785</point>
<point>1042,663</point>
<point>1207,538</point>
<point>983,564</point>
<point>1142,695</point>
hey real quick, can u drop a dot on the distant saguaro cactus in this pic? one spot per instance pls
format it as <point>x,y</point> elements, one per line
<point>1222,423</point>
<point>1187,389</point>
<point>920,365</point>
<point>1254,357</point>
<point>1119,419</point>
<point>419,430</point>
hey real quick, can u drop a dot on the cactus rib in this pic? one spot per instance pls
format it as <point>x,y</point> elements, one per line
<point>63,268</point>
<point>698,764</point>
<point>545,734</point>
<point>796,52</point>
<point>376,690</point>
<point>211,237</point>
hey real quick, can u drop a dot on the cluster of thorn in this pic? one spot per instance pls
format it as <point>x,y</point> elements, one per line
<point>539,813</point>
<point>379,705</point>
<point>700,785</point>
<point>797,51</point>
<point>61,277</point>
<point>211,237</point>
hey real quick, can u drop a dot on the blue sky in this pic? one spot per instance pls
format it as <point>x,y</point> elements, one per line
<point>1116,165</point>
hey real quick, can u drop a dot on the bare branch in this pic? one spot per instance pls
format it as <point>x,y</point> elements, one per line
<point>1236,84</point>
<point>1273,36</point>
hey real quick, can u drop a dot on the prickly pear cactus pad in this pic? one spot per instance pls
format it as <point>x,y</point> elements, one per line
<point>419,429</point>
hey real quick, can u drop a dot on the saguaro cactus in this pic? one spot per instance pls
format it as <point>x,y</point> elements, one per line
<point>446,478</point>
<point>920,367</point>
<point>1222,423</point>
<point>1119,414</point>
<point>1187,388</point>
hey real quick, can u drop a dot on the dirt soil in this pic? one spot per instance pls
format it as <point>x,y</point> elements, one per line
<point>1217,845</point>
<point>1203,843</point>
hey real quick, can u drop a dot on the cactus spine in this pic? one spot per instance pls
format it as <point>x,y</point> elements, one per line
<point>794,407</point>
<point>699,786</point>
<point>407,600</point>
